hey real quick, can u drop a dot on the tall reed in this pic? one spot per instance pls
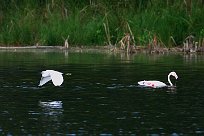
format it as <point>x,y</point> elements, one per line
<point>87,22</point>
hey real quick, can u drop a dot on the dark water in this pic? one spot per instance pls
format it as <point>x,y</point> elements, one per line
<point>101,97</point>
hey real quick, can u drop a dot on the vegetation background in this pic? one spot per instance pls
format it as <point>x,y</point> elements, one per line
<point>99,22</point>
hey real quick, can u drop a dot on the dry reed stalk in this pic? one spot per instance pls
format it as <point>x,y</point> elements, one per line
<point>125,43</point>
<point>202,42</point>
<point>133,38</point>
<point>172,38</point>
<point>53,3</point>
<point>122,44</point>
<point>189,45</point>
<point>11,27</point>
<point>66,43</point>
<point>107,31</point>
<point>128,43</point>
<point>48,8</point>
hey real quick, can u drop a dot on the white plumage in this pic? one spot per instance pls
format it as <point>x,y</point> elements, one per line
<point>55,76</point>
<point>158,84</point>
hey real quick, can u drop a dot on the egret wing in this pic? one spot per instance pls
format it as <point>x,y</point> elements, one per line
<point>44,80</point>
<point>57,78</point>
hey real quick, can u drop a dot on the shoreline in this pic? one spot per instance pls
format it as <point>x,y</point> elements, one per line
<point>107,49</point>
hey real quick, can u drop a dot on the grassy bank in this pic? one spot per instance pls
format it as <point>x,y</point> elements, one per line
<point>50,22</point>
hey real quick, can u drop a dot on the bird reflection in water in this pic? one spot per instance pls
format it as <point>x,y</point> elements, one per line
<point>51,115</point>
<point>52,108</point>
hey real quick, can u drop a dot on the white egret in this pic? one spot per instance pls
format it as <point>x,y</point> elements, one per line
<point>55,76</point>
<point>158,84</point>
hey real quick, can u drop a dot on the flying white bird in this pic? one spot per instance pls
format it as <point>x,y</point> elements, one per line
<point>158,84</point>
<point>55,76</point>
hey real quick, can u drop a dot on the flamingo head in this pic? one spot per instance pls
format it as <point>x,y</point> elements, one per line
<point>174,74</point>
<point>141,82</point>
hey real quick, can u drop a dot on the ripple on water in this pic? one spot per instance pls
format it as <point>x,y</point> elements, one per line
<point>136,115</point>
<point>27,86</point>
<point>96,100</point>
<point>115,86</point>
<point>199,131</point>
<point>78,88</point>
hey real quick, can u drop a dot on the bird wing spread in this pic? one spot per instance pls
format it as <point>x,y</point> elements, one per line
<point>57,78</point>
<point>44,80</point>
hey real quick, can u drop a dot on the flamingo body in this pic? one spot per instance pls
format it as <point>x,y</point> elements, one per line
<point>158,84</point>
<point>153,84</point>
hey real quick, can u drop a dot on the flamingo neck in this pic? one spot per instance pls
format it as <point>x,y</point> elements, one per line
<point>169,80</point>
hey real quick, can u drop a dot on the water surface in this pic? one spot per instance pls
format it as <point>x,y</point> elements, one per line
<point>101,97</point>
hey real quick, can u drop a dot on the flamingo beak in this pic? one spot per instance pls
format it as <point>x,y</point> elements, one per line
<point>176,76</point>
<point>141,82</point>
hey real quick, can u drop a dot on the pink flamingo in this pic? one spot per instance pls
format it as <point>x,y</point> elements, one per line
<point>158,84</point>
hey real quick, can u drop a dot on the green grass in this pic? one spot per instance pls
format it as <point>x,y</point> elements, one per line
<point>25,23</point>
